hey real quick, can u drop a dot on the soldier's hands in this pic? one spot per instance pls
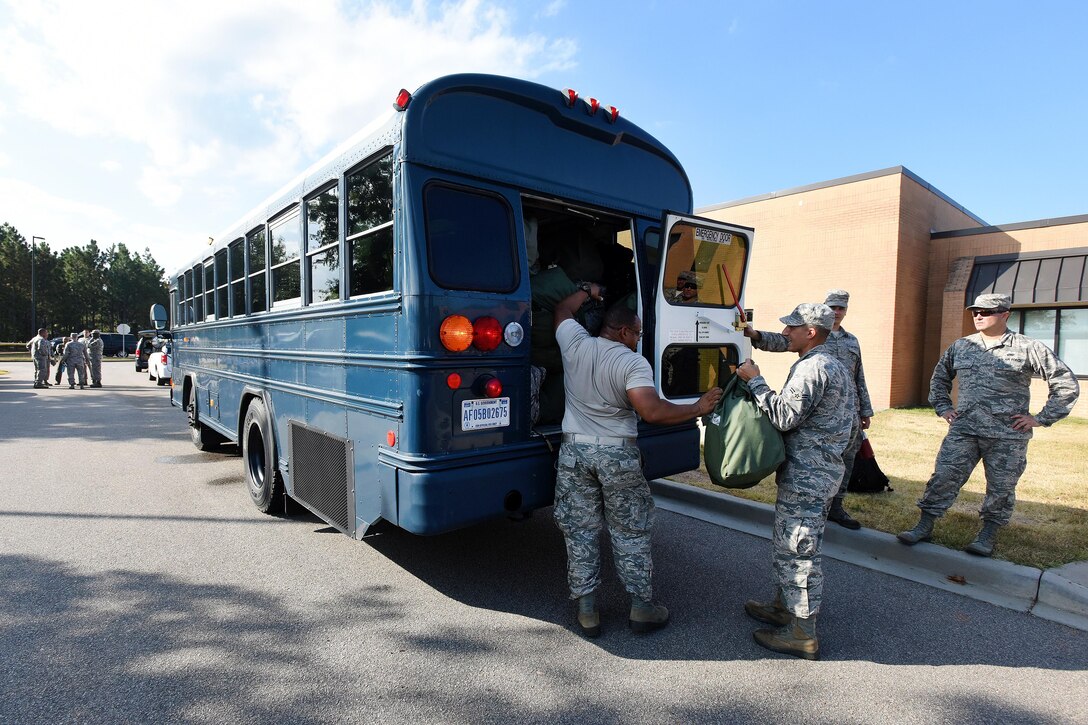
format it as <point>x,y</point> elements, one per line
<point>951,416</point>
<point>865,421</point>
<point>750,332</point>
<point>747,370</point>
<point>1022,422</point>
<point>709,401</point>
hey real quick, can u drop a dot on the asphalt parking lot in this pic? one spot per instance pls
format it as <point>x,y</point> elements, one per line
<point>141,585</point>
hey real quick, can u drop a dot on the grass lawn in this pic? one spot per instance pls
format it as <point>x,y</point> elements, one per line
<point>1049,526</point>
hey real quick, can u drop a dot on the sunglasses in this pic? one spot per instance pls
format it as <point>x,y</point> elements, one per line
<point>687,285</point>
<point>987,313</point>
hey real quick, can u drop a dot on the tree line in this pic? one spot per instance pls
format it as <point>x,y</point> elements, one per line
<point>76,288</point>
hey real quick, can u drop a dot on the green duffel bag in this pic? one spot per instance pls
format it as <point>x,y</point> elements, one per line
<point>741,446</point>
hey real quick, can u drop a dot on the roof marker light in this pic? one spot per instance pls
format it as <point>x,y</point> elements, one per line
<point>593,105</point>
<point>570,96</point>
<point>613,114</point>
<point>403,99</point>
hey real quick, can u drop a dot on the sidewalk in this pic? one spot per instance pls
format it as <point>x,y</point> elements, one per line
<point>1059,595</point>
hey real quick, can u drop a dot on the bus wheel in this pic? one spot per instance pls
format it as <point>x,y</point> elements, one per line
<point>259,459</point>
<point>203,437</point>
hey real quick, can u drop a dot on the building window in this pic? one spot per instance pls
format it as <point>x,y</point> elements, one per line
<point>286,236</point>
<point>370,227</point>
<point>1065,331</point>
<point>323,245</point>
<point>258,297</point>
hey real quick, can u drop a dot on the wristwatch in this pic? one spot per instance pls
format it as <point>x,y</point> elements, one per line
<point>586,287</point>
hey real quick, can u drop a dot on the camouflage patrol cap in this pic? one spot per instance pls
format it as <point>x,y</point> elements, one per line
<point>837,298</point>
<point>688,276</point>
<point>808,313</point>
<point>1001,303</point>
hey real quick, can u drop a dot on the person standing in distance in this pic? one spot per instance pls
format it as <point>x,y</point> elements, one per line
<point>845,348</point>
<point>990,421</point>
<point>599,481</point>
<point>39,353</point>
<point>75,359</point>
<point>94,358</point>
<point>815,412</point>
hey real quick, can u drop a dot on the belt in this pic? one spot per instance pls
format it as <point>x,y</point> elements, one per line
<point>600,440</point>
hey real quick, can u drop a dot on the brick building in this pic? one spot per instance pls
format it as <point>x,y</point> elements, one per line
<point>911,258</point>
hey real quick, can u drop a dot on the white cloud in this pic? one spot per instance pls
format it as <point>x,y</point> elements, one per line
<point>110,165</point>
<point>551,9</point>
<point>219,91</point>
<point>65,223</point>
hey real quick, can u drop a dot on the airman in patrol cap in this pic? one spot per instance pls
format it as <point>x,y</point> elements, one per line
<point>845,348</point>
<point>814,411</point>
<point>990,420</point>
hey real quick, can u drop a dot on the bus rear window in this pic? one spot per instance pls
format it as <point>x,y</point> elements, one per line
<point>470,240</point>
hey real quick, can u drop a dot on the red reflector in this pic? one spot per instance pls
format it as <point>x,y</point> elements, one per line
<point>391,438</point>
<point>164,358</point>
<point>594,105</point>
<point>613,113</point>
<point>453,381</point>
<point>493,388</point>
<point>403,99</point>
<point>486,334</point>
<point>570,96</point>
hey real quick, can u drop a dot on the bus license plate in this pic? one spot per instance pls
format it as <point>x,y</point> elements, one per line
<point>486,413</point>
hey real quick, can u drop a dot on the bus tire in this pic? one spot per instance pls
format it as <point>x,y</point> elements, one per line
<point>204,438</point>
<point>259,459</point>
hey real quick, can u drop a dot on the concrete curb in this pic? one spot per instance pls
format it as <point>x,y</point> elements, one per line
<point>1059,595</point>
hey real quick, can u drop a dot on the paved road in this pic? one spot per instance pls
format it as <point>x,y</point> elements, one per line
<point>139,584</point>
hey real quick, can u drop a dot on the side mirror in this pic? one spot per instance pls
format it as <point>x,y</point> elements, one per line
<point>159,317</point>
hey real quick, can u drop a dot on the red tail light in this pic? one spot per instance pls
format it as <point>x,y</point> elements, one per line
<point>403,99</point>
<point>493,388</point>
<point>164,358</point>
<point>486,334</point>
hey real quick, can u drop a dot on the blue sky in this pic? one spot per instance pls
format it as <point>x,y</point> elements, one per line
<point>158,124</point>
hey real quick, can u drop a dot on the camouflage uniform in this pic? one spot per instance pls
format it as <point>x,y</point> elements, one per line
<point>845,348</point>
<point>39,353</point>
<point>74,359</point>
<point>993,386</point>
<point>813,411</point>
<point>600,480</point>
<point>94,358</point>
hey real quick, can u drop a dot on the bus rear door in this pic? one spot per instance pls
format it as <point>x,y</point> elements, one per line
<point>698,336</point>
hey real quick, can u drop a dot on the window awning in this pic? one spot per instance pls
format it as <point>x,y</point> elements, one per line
<point>1045,278</point>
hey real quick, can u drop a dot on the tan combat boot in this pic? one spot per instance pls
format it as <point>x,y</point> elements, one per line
<point>922,531</point>
<point>647,616</point>
<point>797,638</point>
<point>589,619</point>
<point>983,545</point>
<point>774,612</point>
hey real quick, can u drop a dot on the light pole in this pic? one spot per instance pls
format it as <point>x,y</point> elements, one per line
<point>33,306</point>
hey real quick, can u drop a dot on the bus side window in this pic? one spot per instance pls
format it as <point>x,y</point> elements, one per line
<point>323,245</point>
<point>370,227</point>
<point>237,278</point>
<point>258,297</point>
<point>286,236</point>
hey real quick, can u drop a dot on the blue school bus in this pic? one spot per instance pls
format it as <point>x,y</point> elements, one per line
<point>375,336</point>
